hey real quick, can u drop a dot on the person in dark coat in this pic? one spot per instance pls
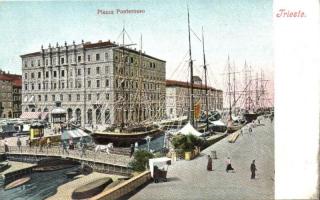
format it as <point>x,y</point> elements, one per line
<point>229,166</point>
<point>253,170</point>
<point>209,165</point>
<point>19,143</point>
<point>6,146</point>
<point>131,150</point>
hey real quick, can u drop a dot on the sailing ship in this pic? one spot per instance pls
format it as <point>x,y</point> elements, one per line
<point>126,134</point>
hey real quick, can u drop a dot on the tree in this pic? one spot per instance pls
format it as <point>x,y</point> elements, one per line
<point>141,158</point>
<point>186,142</point>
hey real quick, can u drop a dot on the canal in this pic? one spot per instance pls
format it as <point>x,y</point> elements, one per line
<point>41,186</point>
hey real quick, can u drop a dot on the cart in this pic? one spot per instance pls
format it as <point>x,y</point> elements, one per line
<point>159,168</point>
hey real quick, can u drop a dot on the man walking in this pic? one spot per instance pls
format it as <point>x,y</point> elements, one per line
<point>19,144</point>
<point>209,165</point>
<point>65,148</point>
<point>253,170</point>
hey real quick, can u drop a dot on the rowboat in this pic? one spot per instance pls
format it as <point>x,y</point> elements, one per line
<point>91,189</point>
<point>17,183</point>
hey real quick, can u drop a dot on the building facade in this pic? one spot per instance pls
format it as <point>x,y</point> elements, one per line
<point>97,83</point>
<point>10,95</point>
<point>178,98</point>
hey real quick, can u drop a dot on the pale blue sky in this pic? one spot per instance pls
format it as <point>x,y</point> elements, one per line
<point>242,29</point>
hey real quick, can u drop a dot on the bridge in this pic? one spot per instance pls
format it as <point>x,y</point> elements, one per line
<point>104,162</point>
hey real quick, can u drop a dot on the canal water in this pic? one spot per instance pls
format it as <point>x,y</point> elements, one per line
<point>156,144</point>
<point>41,186</point>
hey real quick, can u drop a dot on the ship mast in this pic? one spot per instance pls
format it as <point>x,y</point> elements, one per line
<point>205,79</point>
<point>191,75</point>
<point>140,82</point>
<point>229,88</point>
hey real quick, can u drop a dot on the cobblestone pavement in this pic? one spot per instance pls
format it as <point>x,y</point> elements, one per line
<point>191,180</point>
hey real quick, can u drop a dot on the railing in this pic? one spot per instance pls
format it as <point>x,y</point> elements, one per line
<point>86,155</point>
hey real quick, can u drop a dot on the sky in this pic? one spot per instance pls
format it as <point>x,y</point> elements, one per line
<point>240,29</point>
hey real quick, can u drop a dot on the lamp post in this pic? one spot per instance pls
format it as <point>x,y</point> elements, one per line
<point>148,139</point>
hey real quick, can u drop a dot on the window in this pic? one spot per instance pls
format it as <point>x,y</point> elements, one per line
<point>31,63</point>
<point>71,84</point>
<point>39,97</point>
<point>105,56</point>
<point>89,97</point>
<point>79,72</point>
<point>69,97</point>
<point>89,58</point>
<point>98,96</point>
<point>47,74</point>
<point>107,82</point>
<point>98,83</point>
<point>89,71</point>
<point>97,57</point>
<point>89,84</point>
<point>32,86</point>
<point>71,72</point>
<point>107,96</point>
<point>38,63</point>
<point>53,97</point>
<point>32,75</point>
<point>39,86</point>
<point>46,97</point>
<point>78,97</point>
<point>62,60</point>
<point>54,86</point>
<point>25,64</point>
<point>46,62</point>
<point>39,74</point>
<point>61,97</point>
<point>26,75</point>
<point>79,58</point>
<point>98,70</point>
<point>62,73</point>
<point>54,73</point>
<point>131,60</point>
<point>78,84</point>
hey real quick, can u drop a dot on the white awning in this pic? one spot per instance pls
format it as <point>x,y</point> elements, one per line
<point>189,129</point>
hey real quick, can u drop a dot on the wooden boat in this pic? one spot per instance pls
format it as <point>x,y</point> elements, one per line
<point>125,137</point>
<point>4,165</point>
<point>249,117</point>
<point>17,183</point>
<point>50,168</point>
<point>91,189</point>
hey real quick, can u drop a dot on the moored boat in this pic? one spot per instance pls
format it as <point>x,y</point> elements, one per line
<point>125,137</point>
<point>91,189</point>
<point>17,183</point>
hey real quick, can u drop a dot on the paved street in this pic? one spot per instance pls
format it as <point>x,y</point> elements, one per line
<point>191,180</point>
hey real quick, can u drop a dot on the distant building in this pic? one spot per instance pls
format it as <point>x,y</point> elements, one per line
<point>97,83</point>
<point>178,97</point>
<point>10,95</point>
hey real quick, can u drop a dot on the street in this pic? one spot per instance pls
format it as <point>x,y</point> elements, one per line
<point>191,180</point>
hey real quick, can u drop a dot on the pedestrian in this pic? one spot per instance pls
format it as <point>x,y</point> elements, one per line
<point>209,165</point>
<point>6,146</point>
<point>48,142</point>
<point>41,142</point>
<point>82,146</point>
<point>229,166</point>
<point>30,142</point>
<point>65,147</point>
<point>71,146</point>
<point>19,144</point>
<point>131,150</point>
<point>253,170</point>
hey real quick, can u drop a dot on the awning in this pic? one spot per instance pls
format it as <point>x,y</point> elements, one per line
<point>189,129</point>
<point>75,133</point>
<point>30,115</point>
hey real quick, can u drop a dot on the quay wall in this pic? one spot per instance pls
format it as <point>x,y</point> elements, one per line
<point>126,188</point>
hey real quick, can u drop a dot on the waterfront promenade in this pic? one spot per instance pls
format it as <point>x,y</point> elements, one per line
<point>191,180</point>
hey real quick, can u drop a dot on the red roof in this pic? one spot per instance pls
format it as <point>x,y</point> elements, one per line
<point>171,83</point>
<point>16,79</point>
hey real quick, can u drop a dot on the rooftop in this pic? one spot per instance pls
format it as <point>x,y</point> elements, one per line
<point>99,44</point>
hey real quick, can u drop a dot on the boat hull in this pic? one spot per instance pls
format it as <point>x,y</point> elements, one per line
<point>249,117</point>
<point>17,183</point>
<point>124,139</point>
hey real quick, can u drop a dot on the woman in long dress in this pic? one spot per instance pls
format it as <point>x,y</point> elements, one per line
<point>229,166</point>
<point>209,165</point>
